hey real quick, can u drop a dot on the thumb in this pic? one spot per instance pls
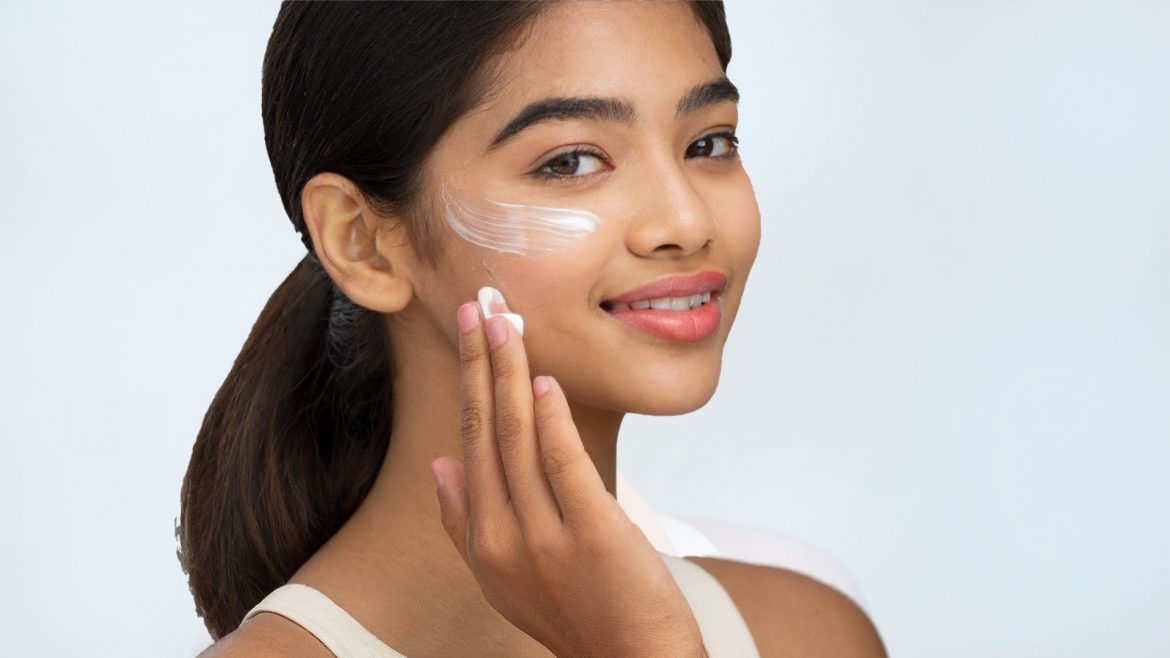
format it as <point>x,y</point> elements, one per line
<point>453,503</point>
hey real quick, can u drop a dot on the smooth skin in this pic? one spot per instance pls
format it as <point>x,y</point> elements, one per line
<point>670,204</point>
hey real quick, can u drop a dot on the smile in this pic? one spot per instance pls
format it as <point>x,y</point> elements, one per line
<point>686,303</point>
<point>689,318</point>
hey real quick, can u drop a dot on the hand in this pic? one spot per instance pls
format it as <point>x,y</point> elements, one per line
<point>551,549</point>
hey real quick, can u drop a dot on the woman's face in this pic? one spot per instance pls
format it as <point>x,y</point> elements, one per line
<point>673,199</point>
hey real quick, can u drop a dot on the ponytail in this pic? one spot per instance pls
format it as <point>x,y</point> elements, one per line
<point>289,448</point>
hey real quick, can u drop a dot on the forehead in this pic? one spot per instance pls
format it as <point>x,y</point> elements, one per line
<point>648,53</point>
<point>600,41</point>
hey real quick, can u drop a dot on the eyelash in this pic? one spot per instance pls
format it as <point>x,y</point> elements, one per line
<point>730,135</point>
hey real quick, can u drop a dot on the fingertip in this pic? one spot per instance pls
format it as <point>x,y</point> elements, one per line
<point>468,317</point>
<point>540,385</point>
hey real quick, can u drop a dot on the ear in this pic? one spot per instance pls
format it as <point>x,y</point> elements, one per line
<point>355,245</point>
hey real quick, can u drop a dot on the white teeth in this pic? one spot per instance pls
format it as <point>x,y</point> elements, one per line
<point>687,303</point>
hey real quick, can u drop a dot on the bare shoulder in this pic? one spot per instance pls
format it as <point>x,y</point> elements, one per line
<point>267,635</point>
<point>790,614</point>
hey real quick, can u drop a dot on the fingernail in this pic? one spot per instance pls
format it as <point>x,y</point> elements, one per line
<point>468,317</point>
<point>488,300</point>
<point>497,330</point>
<point>540,386</point>
<point>492,301</point>
<point>438,476</point>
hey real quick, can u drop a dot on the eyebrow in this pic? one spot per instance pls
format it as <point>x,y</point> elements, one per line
<point>611,109</point>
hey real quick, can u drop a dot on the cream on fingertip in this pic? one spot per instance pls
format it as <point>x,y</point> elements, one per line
<point>486,296</point>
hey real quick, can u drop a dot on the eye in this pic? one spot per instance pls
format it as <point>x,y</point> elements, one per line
<point>563,166</point>
<point>706,144</point>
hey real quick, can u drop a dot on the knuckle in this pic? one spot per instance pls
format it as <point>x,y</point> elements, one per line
<point>510,452</point>
<point>557,463</point>
<point>471,422</point>
<point>589,529</point>
<point>544,543</point>
<point>509,425</point>
<point>608,514</point>
<point>503,366</point>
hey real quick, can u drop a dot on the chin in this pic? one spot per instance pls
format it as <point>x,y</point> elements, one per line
<point>673,394</point>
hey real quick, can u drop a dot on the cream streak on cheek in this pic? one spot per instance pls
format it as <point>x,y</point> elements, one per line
<point>516,228</point>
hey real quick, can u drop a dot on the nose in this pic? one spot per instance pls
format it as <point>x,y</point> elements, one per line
<point>673,218</point>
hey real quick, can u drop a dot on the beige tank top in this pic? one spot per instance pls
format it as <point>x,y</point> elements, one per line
<point>725,633</point>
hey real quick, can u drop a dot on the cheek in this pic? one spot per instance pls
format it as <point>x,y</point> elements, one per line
<point>554,296</point>
<point>743,228</point>
<point>546,287</point>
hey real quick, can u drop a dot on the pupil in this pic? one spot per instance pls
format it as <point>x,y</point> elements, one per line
<point>568,161</point>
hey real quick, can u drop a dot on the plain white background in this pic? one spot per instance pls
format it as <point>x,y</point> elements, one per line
<point>949,370</point>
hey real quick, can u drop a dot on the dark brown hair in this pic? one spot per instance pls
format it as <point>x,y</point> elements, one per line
<point>296,434</point>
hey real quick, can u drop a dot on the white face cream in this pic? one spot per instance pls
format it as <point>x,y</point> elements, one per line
<point>492,302</point>
<point>516,228</point>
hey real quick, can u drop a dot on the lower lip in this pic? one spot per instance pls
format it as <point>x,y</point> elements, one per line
<point>692,325</point>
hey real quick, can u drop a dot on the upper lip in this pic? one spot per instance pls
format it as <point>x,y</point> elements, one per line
<point>676,285</point>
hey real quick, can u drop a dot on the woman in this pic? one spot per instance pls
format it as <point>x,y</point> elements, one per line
<point>571,157</point>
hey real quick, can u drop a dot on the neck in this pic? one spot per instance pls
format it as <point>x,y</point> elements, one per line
<point>392,565</point>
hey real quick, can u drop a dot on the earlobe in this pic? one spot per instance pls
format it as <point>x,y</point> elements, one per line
<point>344,235</point>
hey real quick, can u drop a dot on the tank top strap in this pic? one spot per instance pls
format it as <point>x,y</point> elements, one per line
<point>725,633</point>
<point>330,623</point>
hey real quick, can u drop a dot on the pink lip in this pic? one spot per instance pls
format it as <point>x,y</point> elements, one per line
<point>692,325</point>
<point>677,286</point>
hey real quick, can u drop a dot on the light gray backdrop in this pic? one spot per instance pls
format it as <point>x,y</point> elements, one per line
<point>949,371</point>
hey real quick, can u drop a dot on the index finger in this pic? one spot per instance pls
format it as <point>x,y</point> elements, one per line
<point>486,484</point>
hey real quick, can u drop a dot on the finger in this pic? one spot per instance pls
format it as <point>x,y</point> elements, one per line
<point>574,479</point>
<point>486,484</point>
<point>492,301</point>
<point>532,497</point>
<point>453,501</point>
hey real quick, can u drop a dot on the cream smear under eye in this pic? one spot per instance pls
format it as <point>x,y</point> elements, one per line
<point>516,228</point>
